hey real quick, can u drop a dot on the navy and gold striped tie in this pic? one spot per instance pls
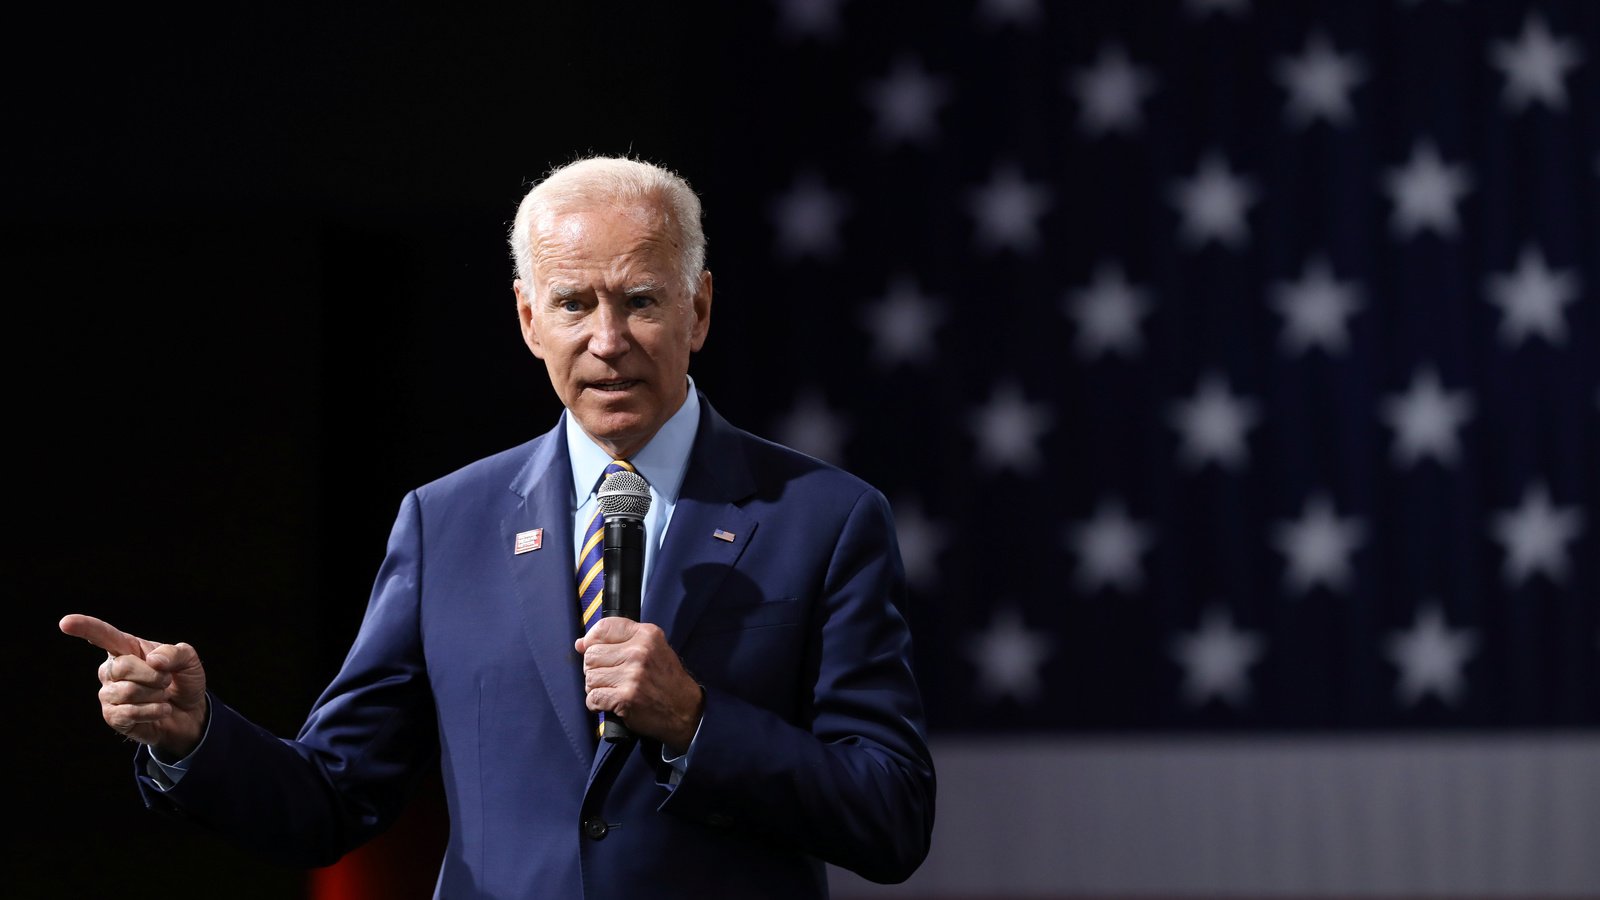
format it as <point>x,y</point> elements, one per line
<point>591,559</point>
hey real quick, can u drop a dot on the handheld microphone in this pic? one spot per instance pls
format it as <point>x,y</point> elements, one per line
<point>624,499</point>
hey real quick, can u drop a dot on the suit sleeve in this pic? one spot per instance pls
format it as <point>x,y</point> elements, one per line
<point>856,787</point>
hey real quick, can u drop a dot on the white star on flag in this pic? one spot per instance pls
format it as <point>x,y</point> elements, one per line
<point>1107,313</point>
<point>1425,192</point>
<point>1007,210</point>
<point>1203,8</point>
<point>1319,82</point>
<point>1213,423</point>
<point>1427,420</point>
<point>812,427</point>
<point>902,323</point>
<point>921,540</point>
<point>1317,547</point>
<point>1532,299</point>
<point>1010,12</point>
<point>1315,310</point>
<point>1535,536</point>
<point>1213,204</point>
<point>905,103</point>
<point>1535,65</point>
<point>1108,546</point>
<point>1008,655</point>
<point>1110,92</point>
<point>808,18</point>
<point>1430,656</point>
<point>808,217</point>
<point>1008,428</point>
<point>1215,659</point>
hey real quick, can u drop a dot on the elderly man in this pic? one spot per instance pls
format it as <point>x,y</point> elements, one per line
<point>767,683</point>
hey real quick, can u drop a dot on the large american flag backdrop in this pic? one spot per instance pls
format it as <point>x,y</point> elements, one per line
<point>1233,369</point>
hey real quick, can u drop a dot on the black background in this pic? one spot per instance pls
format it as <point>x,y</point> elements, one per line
<point>257,289</point>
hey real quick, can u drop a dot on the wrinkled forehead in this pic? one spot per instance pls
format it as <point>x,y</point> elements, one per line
<point>604,236</point>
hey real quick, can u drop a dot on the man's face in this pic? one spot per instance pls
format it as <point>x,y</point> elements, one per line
<point>608,314</point>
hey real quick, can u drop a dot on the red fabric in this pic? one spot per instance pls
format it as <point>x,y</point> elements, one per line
<point>400,864</point>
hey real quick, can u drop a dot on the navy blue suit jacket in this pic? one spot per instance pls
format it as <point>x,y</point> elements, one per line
<point>812,748</point>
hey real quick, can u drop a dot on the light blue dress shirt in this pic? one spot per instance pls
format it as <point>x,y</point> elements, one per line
<point>662,463</point>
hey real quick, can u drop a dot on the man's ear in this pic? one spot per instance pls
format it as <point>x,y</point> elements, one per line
<point>702,312</point>
<point>530,331</point>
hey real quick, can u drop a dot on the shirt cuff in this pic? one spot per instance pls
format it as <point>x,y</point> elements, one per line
<point>680,762</point>
<point>167,775</point>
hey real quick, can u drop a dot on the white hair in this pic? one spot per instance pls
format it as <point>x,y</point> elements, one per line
<point>614,180</point>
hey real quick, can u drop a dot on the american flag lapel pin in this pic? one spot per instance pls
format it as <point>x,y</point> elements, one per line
<point>721,535</point>
<point>529,540</point>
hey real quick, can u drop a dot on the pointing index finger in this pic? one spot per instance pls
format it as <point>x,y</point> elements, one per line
<point>101,634</point>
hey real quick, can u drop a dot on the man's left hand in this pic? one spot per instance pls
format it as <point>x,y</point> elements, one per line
<point>630,671</point>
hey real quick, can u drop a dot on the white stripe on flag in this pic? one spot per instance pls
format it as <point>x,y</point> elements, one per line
<point>1460,816</point>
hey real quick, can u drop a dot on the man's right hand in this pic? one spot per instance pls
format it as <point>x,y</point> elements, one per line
<point>151,693</point>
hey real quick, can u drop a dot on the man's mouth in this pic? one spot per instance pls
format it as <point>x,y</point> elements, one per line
<point>618,385</point>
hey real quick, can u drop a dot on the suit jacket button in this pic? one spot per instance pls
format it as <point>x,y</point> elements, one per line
<point>595,827</point>
<point>719,820</point>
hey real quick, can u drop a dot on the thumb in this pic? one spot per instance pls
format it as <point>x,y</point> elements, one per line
<point>172,657</point>
<point>603,631</point>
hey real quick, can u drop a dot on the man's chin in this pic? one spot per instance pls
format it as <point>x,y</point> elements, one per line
<point>614,428</point>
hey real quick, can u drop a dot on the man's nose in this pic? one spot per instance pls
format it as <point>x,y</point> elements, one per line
<point>608,336</point>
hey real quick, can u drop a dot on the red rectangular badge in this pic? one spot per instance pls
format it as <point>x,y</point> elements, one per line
<point>529,540</point>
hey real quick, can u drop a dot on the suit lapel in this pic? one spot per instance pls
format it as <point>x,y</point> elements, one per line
<point>597,764</point>
<point>547,592</point>
<point>708,531</point>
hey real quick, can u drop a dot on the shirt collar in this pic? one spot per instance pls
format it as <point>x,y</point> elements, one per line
<point>662,461</point>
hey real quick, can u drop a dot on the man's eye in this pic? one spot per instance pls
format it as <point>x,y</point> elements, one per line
<point>640,301</point>
<point>571,305</point>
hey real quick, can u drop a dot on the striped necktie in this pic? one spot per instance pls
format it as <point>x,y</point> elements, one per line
<point>591,559</point>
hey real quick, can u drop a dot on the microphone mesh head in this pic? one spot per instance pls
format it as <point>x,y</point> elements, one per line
<point>624,494</point>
